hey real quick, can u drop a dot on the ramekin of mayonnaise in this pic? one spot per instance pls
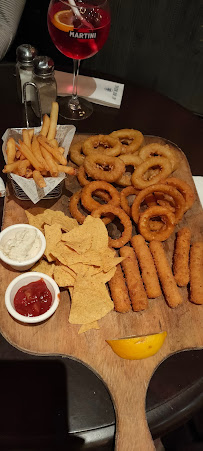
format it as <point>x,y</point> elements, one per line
<point>21,246</point>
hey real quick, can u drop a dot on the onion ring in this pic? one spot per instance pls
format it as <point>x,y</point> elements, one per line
<point>166,216</point>
<point>81,175</point>
<point>86,197</point>
<point>105,144</point>
<point>129,160</point>
<point>155,149</point>
<point>125,220</point>
<point>124,135</point>
<point>76,153</point>
<point>92,160</point>
<point>159,187</point>
<point>124,194</point>
<point>185,189</point>
<point>137,176</point>
<point>73,207</point>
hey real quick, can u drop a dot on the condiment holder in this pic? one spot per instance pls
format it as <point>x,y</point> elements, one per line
<point>25,279</point>
<point>9,233</point>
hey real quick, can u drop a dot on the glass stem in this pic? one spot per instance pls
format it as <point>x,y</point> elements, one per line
<point>74,103</point>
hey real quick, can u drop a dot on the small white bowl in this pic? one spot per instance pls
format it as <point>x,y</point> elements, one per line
<point>23,280</point>
<point>8,233</point>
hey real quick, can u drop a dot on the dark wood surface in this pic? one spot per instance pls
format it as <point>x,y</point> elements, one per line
<point>152,114</point>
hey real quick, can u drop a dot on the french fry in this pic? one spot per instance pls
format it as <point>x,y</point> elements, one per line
<point>12,167</point>
<point>22,167</point>
<point>67,169</point>
<point>53,121</point>
<point>28,173</point>
<point>18,154</point>
<point>26,138</point>
<point>53,169</point>
<point>45,125</point>
<point>55,152</point>
<point>11,150</point>
<point>38,154</point>
<point>39,180</point>
<point>29,156</point>
<point>31,133</point>
<point>54,143</point>
<point>61,149</point>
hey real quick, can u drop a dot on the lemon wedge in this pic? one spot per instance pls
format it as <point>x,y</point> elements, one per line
<point>62,20</point>
<point>137,348</point>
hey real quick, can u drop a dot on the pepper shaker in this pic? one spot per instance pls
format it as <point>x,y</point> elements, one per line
<point>44,79</point>
<point>25,55</point>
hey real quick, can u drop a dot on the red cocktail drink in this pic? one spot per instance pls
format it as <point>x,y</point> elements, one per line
<point>82,40</point>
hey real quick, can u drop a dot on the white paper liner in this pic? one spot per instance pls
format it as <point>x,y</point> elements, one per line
<point>2,188</point>
<point>64,136</point>
<point>198,180</point>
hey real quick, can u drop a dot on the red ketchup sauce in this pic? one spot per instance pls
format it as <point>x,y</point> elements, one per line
<point>33,299</point>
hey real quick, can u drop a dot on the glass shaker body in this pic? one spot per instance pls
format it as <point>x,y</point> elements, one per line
<point>25,55</point>
<point>44,79</point>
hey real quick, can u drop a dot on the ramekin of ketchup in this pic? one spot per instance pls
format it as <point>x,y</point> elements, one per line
<point>32,297</point>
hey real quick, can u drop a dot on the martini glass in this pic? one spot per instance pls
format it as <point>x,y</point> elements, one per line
<point>79,30</point>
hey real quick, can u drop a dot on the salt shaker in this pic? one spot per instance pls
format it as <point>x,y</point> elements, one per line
<point>25,55</point>
<point>44,79</point>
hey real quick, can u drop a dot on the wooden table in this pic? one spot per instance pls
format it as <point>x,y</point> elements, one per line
<point>152,114</point>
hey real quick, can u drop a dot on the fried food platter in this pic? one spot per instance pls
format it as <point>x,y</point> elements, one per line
<point>127,380</point>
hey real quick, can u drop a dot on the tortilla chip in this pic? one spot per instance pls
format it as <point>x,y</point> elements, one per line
<point>86,327</point>
<point>90,301</point>
<point>36,221</point>
<point>105,276</point>
<point>53,235</point>
<point>62,277</point>
<point>44,267</point>
<point>91,235</point>
<point>58,217</point>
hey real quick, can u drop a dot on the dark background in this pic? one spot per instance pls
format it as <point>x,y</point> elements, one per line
<point>154,43</point>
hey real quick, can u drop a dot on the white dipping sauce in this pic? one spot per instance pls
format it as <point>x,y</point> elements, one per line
<point>24,245</point>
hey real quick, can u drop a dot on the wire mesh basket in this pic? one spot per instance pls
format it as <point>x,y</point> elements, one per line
<point>20,194</point>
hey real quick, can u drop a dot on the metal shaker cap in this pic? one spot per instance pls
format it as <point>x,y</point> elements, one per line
<point>25,54</point>
<point>43,66</point>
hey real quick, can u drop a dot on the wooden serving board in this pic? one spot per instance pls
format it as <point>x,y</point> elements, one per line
<point>127,380</point>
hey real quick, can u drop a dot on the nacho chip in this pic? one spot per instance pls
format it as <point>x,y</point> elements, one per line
<point>36,221</point>
<point>91,235</point>
<point>53,235</point>
<point>90,301</point>
<point>86,327</point>
<point>104,277</point>
<point>44,267</point>
<point>62,277</point>
<point>58,217</point>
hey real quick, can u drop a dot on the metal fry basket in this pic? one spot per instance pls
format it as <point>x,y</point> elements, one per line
<point>20,194</point>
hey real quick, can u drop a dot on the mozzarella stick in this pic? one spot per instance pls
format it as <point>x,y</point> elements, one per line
<point>119,292</point>
<point>135,285</point>
<point>170,289</point>
<point>181,257</point>
<point>196,273</point>
<point>148,270</point>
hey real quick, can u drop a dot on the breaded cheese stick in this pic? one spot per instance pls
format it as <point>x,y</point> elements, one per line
<point>119,292</point>
<point>170,289</point>
<point>181,257</point>
<point>196,273</point>
<point>147,266</point>
<point>135,285</point>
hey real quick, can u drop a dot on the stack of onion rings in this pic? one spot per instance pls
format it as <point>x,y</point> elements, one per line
<point>137,178</point>
<point>155,149</point>
<point>76,153</point>
<point>86,197</point>
<point>129,160</point>
<point>94,160</point>
<point>130,139</point>
<point>156,188</point>
<point>77,197</point>
<point>105,144</point>
<point>184,189</point>
<point>162,233</point>
<point>125,220</point>
<point>82,179</point>
<point>129,190</point>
